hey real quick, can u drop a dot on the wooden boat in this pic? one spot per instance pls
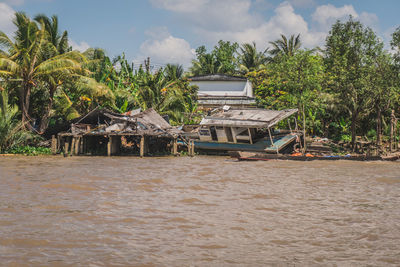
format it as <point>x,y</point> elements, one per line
<point>246,130</point>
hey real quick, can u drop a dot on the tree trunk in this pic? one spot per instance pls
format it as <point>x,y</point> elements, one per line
<point>379,128</point>
<point>353,130</point>
<point>304,129</point>
<point>24,100</point>
<point>44,122</point>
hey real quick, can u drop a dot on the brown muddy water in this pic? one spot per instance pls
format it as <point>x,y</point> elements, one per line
<point>201,211</point>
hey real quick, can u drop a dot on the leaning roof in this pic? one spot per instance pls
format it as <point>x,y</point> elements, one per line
<point>252,118</point>
<point>217,77</point>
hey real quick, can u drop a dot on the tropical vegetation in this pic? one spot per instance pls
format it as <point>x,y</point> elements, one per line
<point>346,88</point>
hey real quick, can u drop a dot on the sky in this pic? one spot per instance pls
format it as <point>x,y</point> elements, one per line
<point>169,31</point>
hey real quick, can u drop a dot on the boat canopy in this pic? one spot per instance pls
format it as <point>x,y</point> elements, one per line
<point>249,118</point>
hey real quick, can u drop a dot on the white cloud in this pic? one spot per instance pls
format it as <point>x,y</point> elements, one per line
<point>184,6</point>
<point>82,46</point>
<point>240,20</point>
<point>14,2</point>
<point>164,48</point>
<point>213,14</point>
<point>285,21</point>
<point>6,17</point>
<point>326,15</point>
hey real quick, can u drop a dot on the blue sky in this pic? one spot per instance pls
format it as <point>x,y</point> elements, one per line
<point>169,31</point>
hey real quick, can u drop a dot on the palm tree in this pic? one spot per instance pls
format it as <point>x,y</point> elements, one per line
<point>60,42</point>
<point>285,46</point>
<point>31,60</point>
<point>206,64</point>
<point>173,72</point>
<point>250,59</point>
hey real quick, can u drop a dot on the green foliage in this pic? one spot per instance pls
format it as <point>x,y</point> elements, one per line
<point>220,60</point>
<point>29,150</point>
<point>250,59</point>
<point>11,130</point>
<point>351,50</point>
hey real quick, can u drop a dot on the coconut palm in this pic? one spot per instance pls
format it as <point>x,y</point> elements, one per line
<point>60,42</point>
<point>250,59</point>
<point>285,46</point>
<point>173,72</point>
<point>206,64</point>
<point>33,60</point>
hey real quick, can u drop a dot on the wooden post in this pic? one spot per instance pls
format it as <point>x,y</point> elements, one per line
<point>76,150</point>
<point>53,145</point>
<point>72,146</point>
<point>175,147</point>
<point>270,136</point>
<point>142,144</point>
<point>250,137</point>
<point>109,146</point>
<point>66,147</point>
<point>192,148</point>
<point>81,151</point>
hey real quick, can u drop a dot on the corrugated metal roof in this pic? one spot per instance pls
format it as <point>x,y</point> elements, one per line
<point>253,118</point>
<point>217,77</point>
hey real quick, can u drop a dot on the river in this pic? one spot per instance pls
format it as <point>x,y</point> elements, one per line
<point>201,211</point>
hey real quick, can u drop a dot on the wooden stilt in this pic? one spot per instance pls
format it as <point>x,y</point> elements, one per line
<point>53,145</point>
<point>109,146</point>
<point>76,149</point>
<point>71,153</point>
<point>192,148</point>
<point>81,145</point>
<point>142,144</point>
<point>250,137</point>
<point>66,147</point>
<point>175,147</point>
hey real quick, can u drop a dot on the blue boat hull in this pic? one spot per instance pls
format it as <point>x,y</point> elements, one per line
<point>263,145</point>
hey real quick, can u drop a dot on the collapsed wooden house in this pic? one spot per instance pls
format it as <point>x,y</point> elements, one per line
<point>102,132</point>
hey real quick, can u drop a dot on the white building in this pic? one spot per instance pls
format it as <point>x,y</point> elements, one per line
<point>218,89</point>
